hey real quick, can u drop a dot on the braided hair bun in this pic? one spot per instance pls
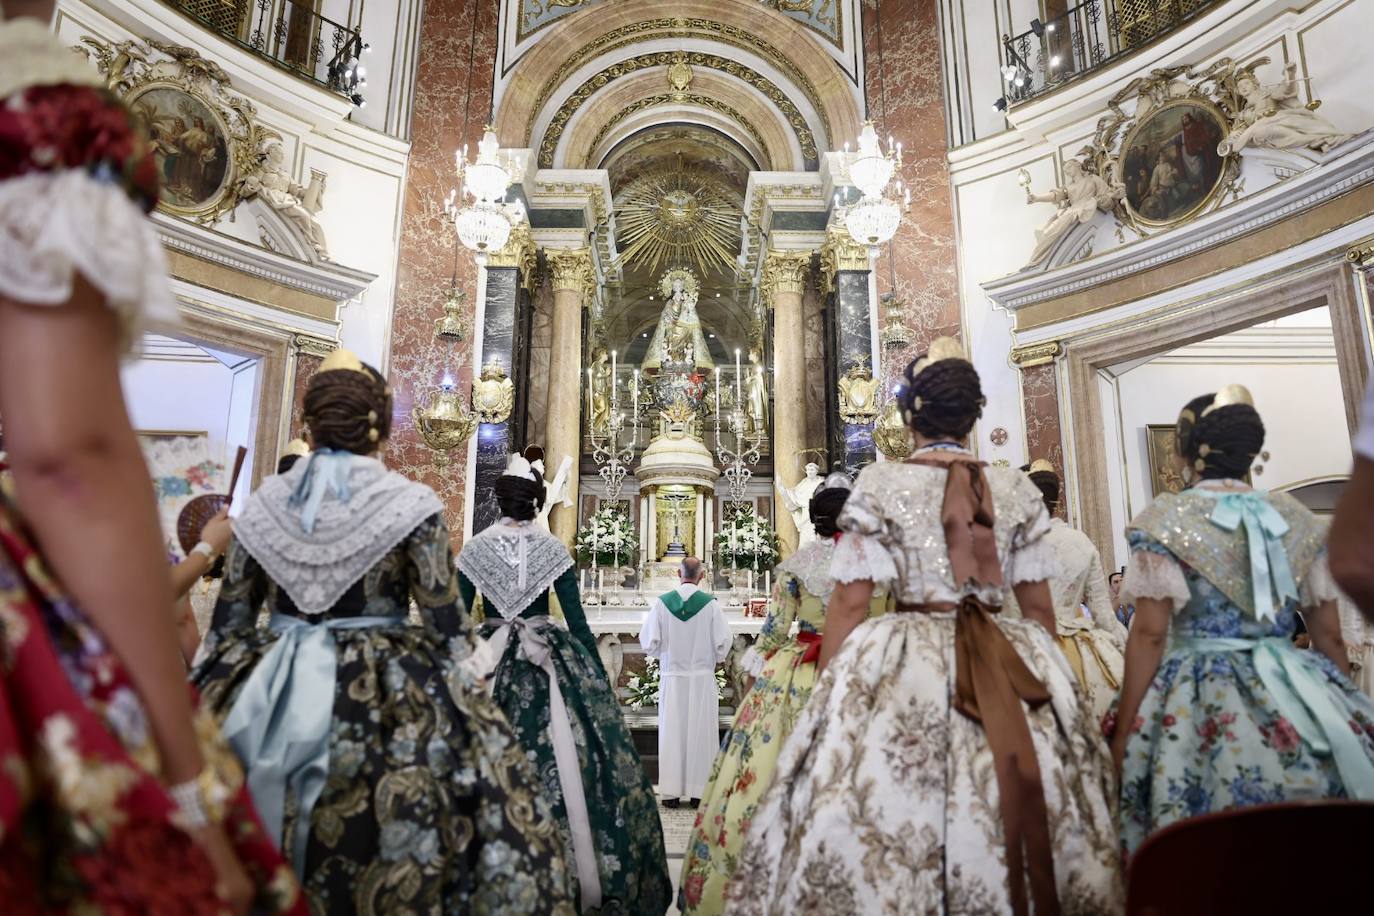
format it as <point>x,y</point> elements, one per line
<point>519,497</point>
<point>1220,442</point>
<point>348,409</point>
<point>825,510</point>
<point>943,399</point>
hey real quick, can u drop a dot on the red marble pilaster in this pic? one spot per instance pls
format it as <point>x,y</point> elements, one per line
<point>1044,438</point>
<point>444,119</point>
<point>906,100</point>
<point>306,367</point>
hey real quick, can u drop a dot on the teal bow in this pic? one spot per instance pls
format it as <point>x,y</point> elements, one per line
<point>325,469</point>
<point>1304,697</point>
<point>279,725</point>
<point>1271,577</point>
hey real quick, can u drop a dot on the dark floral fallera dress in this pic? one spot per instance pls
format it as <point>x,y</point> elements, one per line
<point>427,804</point>
<point>622,813</point>
<point>86,823</point>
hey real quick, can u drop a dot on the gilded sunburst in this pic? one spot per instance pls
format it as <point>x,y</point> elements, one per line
<point>678,216</point>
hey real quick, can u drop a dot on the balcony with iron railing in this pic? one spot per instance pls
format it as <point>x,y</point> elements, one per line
<point>292,36</point>
<point>1083,39</point>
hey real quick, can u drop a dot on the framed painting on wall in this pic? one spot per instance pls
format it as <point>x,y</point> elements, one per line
<point>1169,162</point>
<point>1165,475</point>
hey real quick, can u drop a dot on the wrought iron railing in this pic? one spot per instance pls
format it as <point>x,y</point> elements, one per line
<point>290,34</point>
<point>1084,38</point>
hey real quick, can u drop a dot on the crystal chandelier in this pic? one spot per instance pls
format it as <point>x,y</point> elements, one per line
<point>873,220</point>
<point>484,224</point>
<point>870,169</point>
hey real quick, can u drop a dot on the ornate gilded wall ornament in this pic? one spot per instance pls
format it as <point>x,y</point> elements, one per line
<point>784,272</point>
<point>679,74</point>
<point>895,334</point>
<point>891,435</point>
<point>858,391</point>
<point>678,215</point>
<point>598,81</point>
<point>1036,354</point>
<point>493,395</point>
<point>209,144</point>
<point>571,268</point>
<point>692,98</point>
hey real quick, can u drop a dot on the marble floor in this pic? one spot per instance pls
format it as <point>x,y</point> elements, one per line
<point>677,828</point>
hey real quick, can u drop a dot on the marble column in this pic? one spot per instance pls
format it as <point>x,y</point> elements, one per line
<point>844,273</point>
<point>784,278</point>
<point>505,344</point>
<point>571,275</point>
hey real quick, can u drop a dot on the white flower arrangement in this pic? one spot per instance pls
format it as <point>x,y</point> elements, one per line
<point>610,536</point>
<point>746,541</point>
<point>642,690</point>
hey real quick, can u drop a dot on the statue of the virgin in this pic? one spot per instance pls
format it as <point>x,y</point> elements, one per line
<point>678,339</point>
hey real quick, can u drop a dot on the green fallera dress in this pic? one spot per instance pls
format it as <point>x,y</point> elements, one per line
<point>388,774</point>
<point>549,681</point>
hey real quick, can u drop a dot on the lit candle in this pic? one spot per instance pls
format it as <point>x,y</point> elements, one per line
<point>768,582</point>
<point>614,398</point>
<point>591,392</point>
<point>738,374</point>
<point>718,394</point>
<point>636,399</point>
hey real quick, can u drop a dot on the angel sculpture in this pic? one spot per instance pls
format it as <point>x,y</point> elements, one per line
<point>297,204</point>
<point>1081,196</point>
<point>1274,117</point>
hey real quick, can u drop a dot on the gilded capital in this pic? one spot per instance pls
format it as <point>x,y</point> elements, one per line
<point>519,252</point>
<point>1036,354</point>
<point>571,269</point>
<point>784,272</point>
<point>840,252</point>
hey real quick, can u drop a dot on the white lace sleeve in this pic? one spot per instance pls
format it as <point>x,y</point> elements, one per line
<point>54,225</point>
<point>1151,574</point>
<point>1319,585</point>
<point>752,662</point>
<point>1032,557</point>
<point>862,554</point>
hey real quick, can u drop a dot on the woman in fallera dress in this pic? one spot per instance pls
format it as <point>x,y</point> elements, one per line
<point>548,679</point>
<point>116,794</point>
<point>1093,647</point>
<point>945,762</point>
<point>394,782</point>
<point>784,666</point>
<point>1218,708</point>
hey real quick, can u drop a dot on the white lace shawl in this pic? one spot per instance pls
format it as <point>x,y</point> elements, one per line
<point>349,538</point>
<point>513,565</point>
<point>54,225</point>
<point>893,535</point>
<point>811,565</point>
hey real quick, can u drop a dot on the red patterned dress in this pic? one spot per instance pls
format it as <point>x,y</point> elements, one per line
<point>86,824</point>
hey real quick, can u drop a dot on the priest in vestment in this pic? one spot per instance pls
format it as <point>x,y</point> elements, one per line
<point>686,631</point>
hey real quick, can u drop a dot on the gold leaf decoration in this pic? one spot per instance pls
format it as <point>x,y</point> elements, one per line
<point>676,217</point>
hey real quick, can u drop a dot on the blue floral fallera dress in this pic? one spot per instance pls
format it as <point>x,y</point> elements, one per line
<point>1236,715</point>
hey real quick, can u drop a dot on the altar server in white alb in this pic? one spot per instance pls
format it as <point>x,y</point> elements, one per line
<point>686,631</point>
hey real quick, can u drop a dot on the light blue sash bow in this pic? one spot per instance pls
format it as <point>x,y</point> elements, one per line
<point>1271,578</point>
<point>1303,697</point>
<point>279,725</point>
<point>326,469</point>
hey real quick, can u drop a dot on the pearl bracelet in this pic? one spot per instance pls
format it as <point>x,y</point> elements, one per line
<point>190,804</point>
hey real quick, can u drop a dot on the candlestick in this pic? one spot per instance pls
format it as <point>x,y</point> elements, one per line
<point>768,582</point>
<point>636,399</point>
<point>615,397</point>
<point>718,394</point>
<point>591,393</point>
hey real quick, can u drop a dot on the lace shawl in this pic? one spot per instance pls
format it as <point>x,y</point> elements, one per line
<point>811,566</point>
<point>512,566</point>
<point>894,535</point>
<point>1181,523</point>
<point>349,538</point>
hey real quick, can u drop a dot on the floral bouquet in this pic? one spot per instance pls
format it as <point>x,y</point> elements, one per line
<point>609,538</point>
<point>746,541</point>
<point>642,690</point>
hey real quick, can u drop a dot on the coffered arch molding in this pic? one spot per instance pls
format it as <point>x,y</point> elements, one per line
<point>605,34</point>
<point>742,113</point>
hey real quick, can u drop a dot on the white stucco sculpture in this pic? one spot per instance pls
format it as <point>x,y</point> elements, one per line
<point>1081,197</point>
<point>297,204</point>
<point>797,501</point>
<point>1274,117</point>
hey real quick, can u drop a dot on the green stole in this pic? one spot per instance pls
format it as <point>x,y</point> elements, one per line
<point>685,610</point>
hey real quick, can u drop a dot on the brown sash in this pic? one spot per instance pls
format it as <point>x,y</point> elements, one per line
<point>992,681</point>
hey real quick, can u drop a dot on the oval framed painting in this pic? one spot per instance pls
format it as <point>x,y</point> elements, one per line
<point>191,146</point>
<point>1169,162</point>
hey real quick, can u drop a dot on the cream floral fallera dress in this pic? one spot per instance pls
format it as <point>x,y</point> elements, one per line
<point>885,799</point>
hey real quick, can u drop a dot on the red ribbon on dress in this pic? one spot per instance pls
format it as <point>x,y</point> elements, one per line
<point>812,641</point>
